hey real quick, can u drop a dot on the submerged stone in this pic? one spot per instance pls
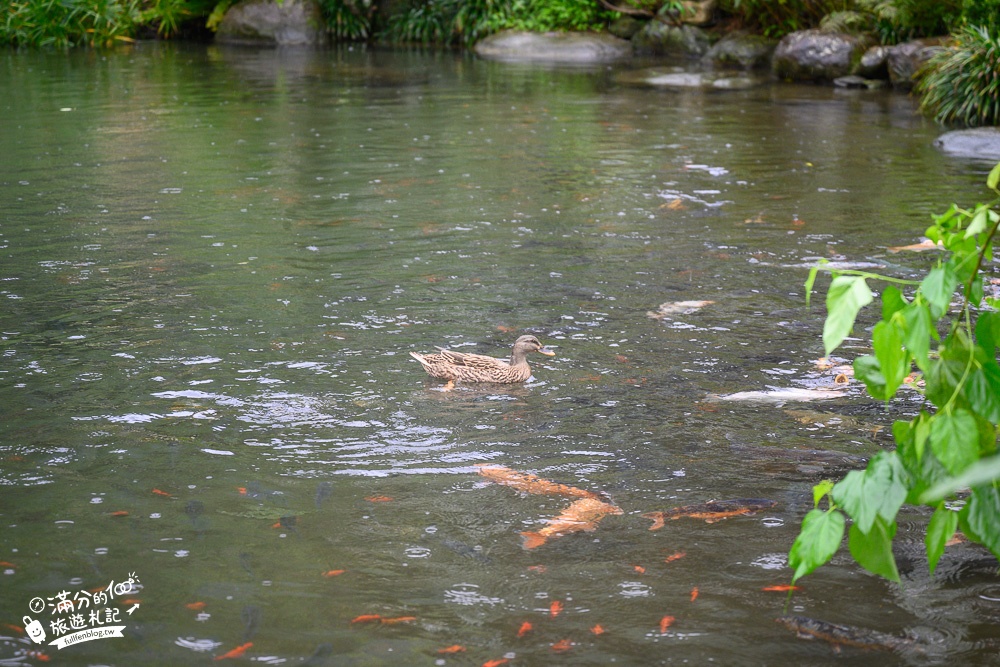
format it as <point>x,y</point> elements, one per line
<point>980,143</point>
<point>556,47</point>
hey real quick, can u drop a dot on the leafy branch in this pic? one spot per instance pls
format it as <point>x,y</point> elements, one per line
<point>951,444</point>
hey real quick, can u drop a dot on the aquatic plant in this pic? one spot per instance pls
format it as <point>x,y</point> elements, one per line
<point>951,444</point>
<point>961,85</point>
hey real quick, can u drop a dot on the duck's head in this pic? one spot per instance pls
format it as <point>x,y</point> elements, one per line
<point>529,343</point>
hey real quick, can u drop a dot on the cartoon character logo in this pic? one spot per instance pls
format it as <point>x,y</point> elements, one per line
<point>34,630</point>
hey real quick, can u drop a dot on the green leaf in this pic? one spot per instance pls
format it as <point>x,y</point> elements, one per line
<point>940,529</point>
<point>873,550</point>
<point>892,301</point>
<point>847,295</point>
<point>993,178</point>
<point>820,537</point>
<point>917,331</point>
<point>810,281</point>
<point>867,369</point>
<point>938,287</point>
<point>981,516</point>
<point>988,332</point>
<point>893,361</point>
<point>982,390</point>
<point>979,222</point>
<point>982,472</point>
<point>820,490</point>
<point>955,439</point>
<point>878,491</point>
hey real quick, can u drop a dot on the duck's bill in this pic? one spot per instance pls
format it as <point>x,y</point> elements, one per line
<point>546,351</point>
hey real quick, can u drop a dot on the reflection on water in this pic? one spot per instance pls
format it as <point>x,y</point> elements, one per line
<point>216,262</point>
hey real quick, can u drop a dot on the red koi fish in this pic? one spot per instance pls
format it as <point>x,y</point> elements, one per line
<point>665,623</point>
<point>674,556</point>
<point>496,663</point>
<point>333,573</point>
<point>367,618</point>
<point>454,648</point>
<point>562,646</point>
<point>713,511</point>
<point>694,594</point>
<point>524,629</point>
<point>555,608</point>
<point>236,652</point>
<point>195,606</point>
<point>398,619</point>
<point>379,499</point>
<point>597,630</point>
<point>582,515</point>
<point>782,588</point>
<point>162,493</point>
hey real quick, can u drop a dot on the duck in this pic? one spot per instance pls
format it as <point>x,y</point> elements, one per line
<point>464,367</point>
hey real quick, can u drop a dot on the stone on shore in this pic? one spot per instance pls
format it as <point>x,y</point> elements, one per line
<point>268,23</point>
<point>555,47</point>
<point>812,55</point>
<point>978,143</point>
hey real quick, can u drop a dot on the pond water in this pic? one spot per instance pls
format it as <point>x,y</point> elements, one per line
<point>215,263</point>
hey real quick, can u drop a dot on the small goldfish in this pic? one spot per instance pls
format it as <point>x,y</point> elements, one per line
<point>694,594</point>
<point>398,619</point>
<point>131,601</point>
<point>162,493</point>
<point>195,606</point>
<point>333,573</point>
<point>555,608</point>
<point>16,628</point>
<point>524,629</point>
<point>242,490</point>
<point>562,646</point>
<point>236,652</point>
<point>4,563</point>
<point>674,556</point>
<point>639,568</point>
<point>582,515</point>
<point>597,630</point>
<point>120,513</point>
<point>367,618</point>
<point>541,569</point>
<point>454,648</point>
<point>665,623</point>
<point>782,588</point>
<point>379,499</point>
<point>496,663</point>
<point>712,511</point>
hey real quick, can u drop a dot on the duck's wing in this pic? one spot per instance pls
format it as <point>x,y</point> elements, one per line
<point>479,361</point>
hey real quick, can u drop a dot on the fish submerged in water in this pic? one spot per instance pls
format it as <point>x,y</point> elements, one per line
<point>712,511</point>
<point>529,483</point>
<point>844,635</point>
<point>582,515</point>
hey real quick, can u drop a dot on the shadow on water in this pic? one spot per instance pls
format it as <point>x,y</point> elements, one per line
<point>217,261</point>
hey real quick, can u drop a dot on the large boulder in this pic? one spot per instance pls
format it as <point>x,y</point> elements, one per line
<point>906,59</point>
<point>812,55</point>
<point>662,39</point>
<point>979,143</point>
<point>874,64</point>
<point>266,22</point>
<point>557,47</point>
<point>741,49</point>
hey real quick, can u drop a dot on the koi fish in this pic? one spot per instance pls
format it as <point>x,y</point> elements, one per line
<point>582,515</point>
<point>843,635</point>
<point>454,648</point>
<point>639,568</point>
<point>712,511</point>
<point>38,655</point>
<point>782,588</point>
<point>665,623</point>
<point>4,563</point>
<point>16,628</point>
<point>236,652</point>
<point>496,663</point>
<point>597,630</point>
<point>379,499</point>
<point>529,483</point>
<point>131,601</point>
<point>694,594</point>
<point>524,629</point>
<point>367,618</point>
<point>398,619</point>
<point>195,606</point>
<point>562,646</point>
<point>162,493</point>
<point>120,513</point>
<point>674,556</point>
<point>333,573</point>
<point>555,608</point>
<point>541,569</point>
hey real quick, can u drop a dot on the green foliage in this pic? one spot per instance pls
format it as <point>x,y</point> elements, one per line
<point>895,21</point>
<point>939,452</point>
<point>984,13</point>
<point>778,18</point>
<point>350,20</point>
<point>549,15</point>
<point>961,85</point>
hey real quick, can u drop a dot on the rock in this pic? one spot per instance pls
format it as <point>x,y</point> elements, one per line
<point>265,22</point>
<point>659,38</point>
<point>559,47</point>
<point>874,63</point>
<point>979,143</point>
<point>742,49</point>
<point>855,81</point>
<point>906,59</point>
<point>626,27</point>
<point>659,78</point>
<point>811,55</point>
<point>697,12</point>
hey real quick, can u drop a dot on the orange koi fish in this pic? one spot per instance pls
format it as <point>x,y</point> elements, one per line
<point>562,646</point>
<point>529,483</point>
<point>38,655</point>
<point>496,663</point>
<point>555,608</point>
<point>712,511</point>
<point>541,569</point>
<point>195,606</point>
<point>120,513</point>
<point>694,594</point>
<point>665,623</point>
<point>4,563</point>
<point>162,493</point>
<point>367,618</point>
<point>598,630</point>
<point>454,648</point>
<point>242,490</point>
<point>131,601</point>
<point>582,515</point>
<point>782,588</point>
<point>236,652</point>
<point>16,628</point>
<point>379,499</point>
<point>639,568</point>
<point>333,573</point>
<point>524,629</point>
<point>398,619</point>
<point>674,556</point>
